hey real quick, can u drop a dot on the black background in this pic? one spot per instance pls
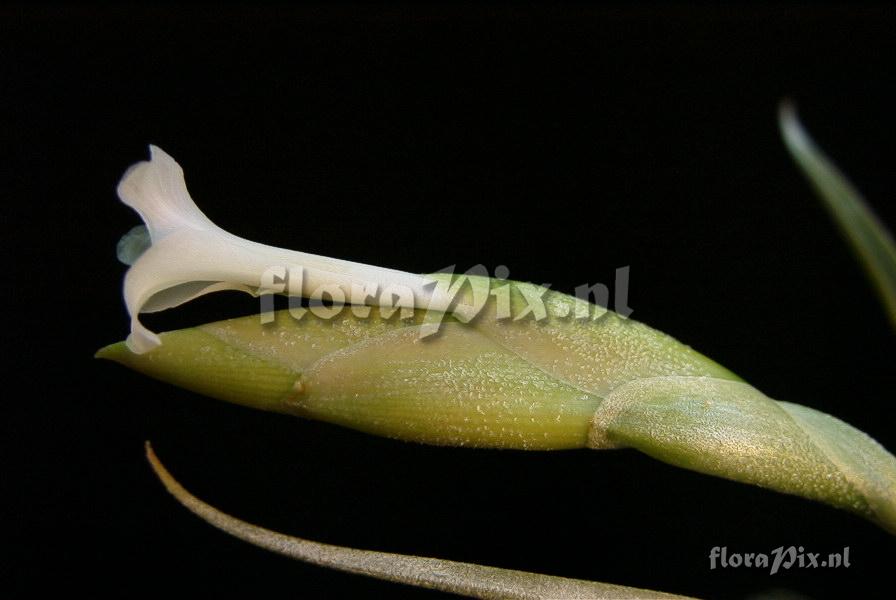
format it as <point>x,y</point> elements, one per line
<point>561,142</point>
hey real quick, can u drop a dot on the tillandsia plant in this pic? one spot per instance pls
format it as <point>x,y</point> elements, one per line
<point>475,361</point>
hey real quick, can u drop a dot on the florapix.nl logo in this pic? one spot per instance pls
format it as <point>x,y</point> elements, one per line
<point>789,557</point>
<point>463,296</point>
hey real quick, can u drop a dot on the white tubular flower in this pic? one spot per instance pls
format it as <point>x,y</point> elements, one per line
<point>190,256</point>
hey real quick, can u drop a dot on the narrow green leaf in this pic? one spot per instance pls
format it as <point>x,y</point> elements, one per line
<point>473,580</point>
<point>870,239</point>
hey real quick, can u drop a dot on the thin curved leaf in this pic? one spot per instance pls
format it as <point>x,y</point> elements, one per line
<point>869,237</point>
<point>473,580</point>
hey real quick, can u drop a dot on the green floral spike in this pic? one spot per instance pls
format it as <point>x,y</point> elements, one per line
<point>471,361</point>
<point>602,383</point>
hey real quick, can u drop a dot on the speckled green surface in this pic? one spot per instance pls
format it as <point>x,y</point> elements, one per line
<point>554,383</point>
